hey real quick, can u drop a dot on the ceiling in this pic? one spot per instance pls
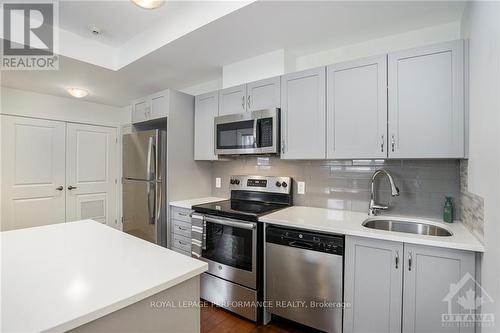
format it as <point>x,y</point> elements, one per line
<point>147,63</point>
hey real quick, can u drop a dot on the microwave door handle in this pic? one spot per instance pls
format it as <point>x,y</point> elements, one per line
<point>255,133</point>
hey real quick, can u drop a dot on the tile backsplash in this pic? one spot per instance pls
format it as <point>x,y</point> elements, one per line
<point>471,204</point>
<point>345,184</point>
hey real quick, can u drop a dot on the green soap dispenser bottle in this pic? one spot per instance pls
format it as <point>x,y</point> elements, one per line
<point>448,210</point>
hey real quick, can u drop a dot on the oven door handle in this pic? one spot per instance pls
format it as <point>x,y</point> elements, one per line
<point>230,223</point>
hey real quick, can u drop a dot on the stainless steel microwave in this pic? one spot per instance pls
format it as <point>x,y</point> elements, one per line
<point>255,132</point>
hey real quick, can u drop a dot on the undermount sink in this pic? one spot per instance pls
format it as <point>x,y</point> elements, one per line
<point>409,227</point>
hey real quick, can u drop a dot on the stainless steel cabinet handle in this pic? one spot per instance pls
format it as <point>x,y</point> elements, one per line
<point>230,223</point>
<point>283,146</point>
<point>393,142</point>
<point>181,228</point>
<point>397,259</point>
<point>183,214</point>
<point>248,102</point>
<point>410,260</point>
<point>60,188</point>
<point>182,243</point>
<point>382,144</point>
<point>243,102</point>
<point>71,187</point>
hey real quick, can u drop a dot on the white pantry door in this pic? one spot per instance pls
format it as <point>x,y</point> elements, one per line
<point>91,173</point>
<point>33,167</point>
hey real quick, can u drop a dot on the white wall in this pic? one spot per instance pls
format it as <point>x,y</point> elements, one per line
<point>31,104</point>
<point>410,39</point>
<point>282,61</point>
<point>252,69</point>
<point>481,24</point>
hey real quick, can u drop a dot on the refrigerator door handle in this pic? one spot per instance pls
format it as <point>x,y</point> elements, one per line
<point>150,157</point>
<point>151,208</point>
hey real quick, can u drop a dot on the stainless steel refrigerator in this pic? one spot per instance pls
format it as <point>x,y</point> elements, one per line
<point>144,185</point>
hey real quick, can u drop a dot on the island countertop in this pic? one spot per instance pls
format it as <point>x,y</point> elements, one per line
<point>60,276</point>
<point>350,223</point>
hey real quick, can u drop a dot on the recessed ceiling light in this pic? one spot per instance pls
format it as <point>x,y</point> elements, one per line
<point>149,4</point>
<point>77,92</point>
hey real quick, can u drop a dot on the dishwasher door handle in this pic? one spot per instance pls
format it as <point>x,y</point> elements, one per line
<point>301,245</point>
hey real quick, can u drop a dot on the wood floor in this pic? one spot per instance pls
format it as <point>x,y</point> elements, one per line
<point>218,320</point>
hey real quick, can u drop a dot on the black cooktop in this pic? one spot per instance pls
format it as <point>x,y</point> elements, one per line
<point>239,209</point>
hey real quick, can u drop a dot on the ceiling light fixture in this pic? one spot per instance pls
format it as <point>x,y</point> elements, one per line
<point>149,4</point>
<point>77,92</point>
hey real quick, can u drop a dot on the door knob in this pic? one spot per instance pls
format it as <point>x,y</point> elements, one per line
<point>71,187</point>
<point>60,188</point>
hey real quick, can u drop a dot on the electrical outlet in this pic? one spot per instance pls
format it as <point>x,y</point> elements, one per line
<point>301,187</point>
<point>218,182</point>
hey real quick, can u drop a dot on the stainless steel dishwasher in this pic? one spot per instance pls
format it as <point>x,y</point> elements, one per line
<point>304,277</point>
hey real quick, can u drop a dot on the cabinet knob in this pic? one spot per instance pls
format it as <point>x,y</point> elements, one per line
<point>60,188</point>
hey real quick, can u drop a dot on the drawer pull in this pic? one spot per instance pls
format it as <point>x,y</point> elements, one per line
<point>182,214</point>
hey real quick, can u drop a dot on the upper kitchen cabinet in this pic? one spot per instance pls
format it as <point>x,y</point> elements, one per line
<point>426,102</point>
<point>264,94</point>
<point>151,107</point>
<point>357,109</point>
<point>206,109</point>
<point>303,113</point>
<point>232,100</point>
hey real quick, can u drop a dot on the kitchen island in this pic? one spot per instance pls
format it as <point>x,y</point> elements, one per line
<point>86,277</point>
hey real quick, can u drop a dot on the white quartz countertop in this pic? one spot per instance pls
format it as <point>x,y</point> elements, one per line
<point>350,223</point>
<point>60,276</point>
<point>187,204</point>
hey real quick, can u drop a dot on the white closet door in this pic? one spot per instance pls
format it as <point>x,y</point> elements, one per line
<point>32,172</point>
<point>91,173</point>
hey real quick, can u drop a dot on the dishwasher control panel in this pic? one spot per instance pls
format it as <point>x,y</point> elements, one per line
<point>308,240</point>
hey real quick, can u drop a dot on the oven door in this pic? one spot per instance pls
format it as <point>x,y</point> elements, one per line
<point>228,246</point>
<point>255,132</point>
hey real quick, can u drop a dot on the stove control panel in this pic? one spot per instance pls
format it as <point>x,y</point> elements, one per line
<point>269,184</point>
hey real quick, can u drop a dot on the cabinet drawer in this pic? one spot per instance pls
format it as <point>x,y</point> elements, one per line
<point>181,228</point>
<point>181,214</point>
<point>182,243</point>
<point>176,249</point>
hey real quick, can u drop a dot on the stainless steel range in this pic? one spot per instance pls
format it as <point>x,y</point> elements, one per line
<point>227,235</point>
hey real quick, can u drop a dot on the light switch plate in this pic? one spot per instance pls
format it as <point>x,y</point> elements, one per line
<point>301,187</point>
<point>217,182</point>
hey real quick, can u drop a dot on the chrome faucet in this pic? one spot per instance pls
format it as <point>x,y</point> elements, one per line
<point>373,208</point>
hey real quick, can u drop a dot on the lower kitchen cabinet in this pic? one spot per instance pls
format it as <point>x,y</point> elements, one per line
<point>373,285</point>
<point>399,287</point>
<point>180,230</point>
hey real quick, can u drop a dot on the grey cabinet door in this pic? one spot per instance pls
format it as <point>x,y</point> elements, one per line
<point>434,280</point>
<point>232,100</point>
<point>373,285</point>
<point>426,102</point>
<point>264,94</point>
<point>303,114</point>
<point>357,109</point>
<point>206,109</point>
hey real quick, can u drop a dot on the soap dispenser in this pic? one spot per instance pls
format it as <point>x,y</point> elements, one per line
<point>448,210</point>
